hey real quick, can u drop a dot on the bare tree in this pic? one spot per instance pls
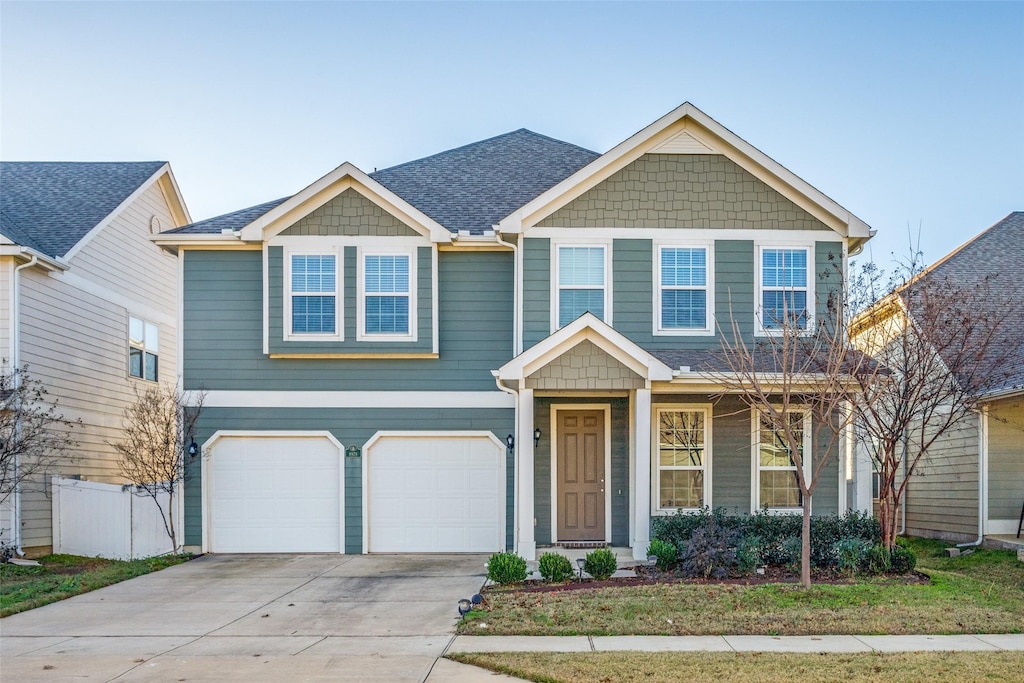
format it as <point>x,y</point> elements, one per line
<point>943,343</point>
<point>34,437</point>
<point>154,452</point>
<point>795,378</point>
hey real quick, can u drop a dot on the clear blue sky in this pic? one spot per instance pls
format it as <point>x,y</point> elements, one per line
<point>907,114</point>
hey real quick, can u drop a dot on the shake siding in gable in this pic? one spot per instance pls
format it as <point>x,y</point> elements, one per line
<point>224,325</point>
<point>350,213</point>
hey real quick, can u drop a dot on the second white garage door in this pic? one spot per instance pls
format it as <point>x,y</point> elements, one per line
<point>435,493</point>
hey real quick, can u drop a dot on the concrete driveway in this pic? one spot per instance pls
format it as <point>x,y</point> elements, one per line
<point>254,617</point>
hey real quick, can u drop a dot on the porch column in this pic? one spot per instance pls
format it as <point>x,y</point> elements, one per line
<point>526,545</point>
<point>642,475</point>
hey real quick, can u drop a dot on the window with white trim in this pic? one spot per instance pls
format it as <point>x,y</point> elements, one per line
<point>581,282</point>
<point>776,483</point>
<point>143,349</point>
<point>681,458</point>
<point>387,296</point>
<point>683,292</point>
<point>785,288</point>
<point>313,295</point>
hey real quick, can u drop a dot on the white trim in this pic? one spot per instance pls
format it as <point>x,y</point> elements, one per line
<point>339,295</point>
<point>414,281</point>
<point>566,407</point>
<point>755,459</point>
<point>709,290</point>
<point>266,298</point>
<point>456,434</point>
<point>314,242</point>
<point>354,399</point>
<point>759,329</point>
<point>708,411</point>
<point>435,289</point>
<point>208,451</point>
<point>556,247</point>
<point>144,348</point>
<point>983,492</point>
<point>761,236</point>
<point>640,472</point>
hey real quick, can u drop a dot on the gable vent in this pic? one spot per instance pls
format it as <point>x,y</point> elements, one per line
<point>683,143</point>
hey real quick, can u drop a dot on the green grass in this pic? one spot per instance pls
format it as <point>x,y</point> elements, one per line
<point>979,593</point>
<point>63,576</point>
<point>730,667</point>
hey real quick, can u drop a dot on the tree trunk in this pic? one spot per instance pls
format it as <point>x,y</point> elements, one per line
<point>805,546</point>
<point>888,512</point>
<point>170,518</point>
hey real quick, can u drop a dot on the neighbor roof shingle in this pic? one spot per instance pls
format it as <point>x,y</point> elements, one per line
<point>228,221</point>
<point>51,205</point>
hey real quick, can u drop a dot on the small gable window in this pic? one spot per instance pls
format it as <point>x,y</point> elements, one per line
<point>313,297</point>
<point>143,349</point>
<point>785,289</point>
<point>581,282</point>
<point>387,297</point>
<point>683,290</point>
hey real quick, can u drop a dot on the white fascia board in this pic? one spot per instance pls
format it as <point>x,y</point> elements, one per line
<point>26,253</point>
<point>177,201</point>
<point>590,328</point>
<point>331,185</point>
<point>198,239</point>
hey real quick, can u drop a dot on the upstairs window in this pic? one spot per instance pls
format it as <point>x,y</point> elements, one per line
<point>683,290</point>
<point>314,294</point>
<point>387,296</point>
<point>143,349</point>
<point>581,282</point>
<point>785,290</point>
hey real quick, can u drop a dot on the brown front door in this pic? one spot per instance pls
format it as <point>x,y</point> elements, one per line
<point>580,472</point>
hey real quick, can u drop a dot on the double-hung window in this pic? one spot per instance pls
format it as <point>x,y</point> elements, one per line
<point>143,349</point>
<point>581,282</point>
<point>785,289</point>
<point>777,487</point>
<point>683,290</point>
<point>681,458</point>
<point>387,305</point>
<point>313,295</point>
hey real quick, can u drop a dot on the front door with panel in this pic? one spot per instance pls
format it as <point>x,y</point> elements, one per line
<point>580,470</point>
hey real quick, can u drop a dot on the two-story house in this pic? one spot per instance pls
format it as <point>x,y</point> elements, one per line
<point>503,345</point>
<point>89,304</point>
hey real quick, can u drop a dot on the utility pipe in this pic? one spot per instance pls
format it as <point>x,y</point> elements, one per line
<point>15,366</point>
<point>515,455</point>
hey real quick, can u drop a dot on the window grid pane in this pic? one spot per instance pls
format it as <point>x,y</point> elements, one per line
<point>387,315</point>
<point>681,489</point>
<point>581,266</point>
<point>572,303</point>
<point>683,267</point>
<point>314,274</point>
<point>386,274</point>
<point>314,314</point>
<point>684,309</point>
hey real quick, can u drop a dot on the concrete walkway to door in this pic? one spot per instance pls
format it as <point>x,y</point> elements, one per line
<point>255,617</point>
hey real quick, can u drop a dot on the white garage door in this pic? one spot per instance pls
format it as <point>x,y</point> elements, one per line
<point>274,494</point>
<point>435,493</point>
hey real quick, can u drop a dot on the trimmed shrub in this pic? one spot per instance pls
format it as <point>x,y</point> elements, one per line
<point>902,559</point>
<point>850,554</point>
<point>711,552</point>
<point>555,568</point>
<point>668,556</point>
<point>600,563</point>
<point>505,568</point>
<point>876,560</point>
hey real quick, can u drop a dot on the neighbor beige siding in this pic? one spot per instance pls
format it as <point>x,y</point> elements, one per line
<point>1006,460</point>
<point>6,274</point>
<point>942,497</point>
<point>74,331</point>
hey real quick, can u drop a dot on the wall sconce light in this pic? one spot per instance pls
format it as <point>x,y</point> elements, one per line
<point>510,441</point>
<point>536,437</point>
<point>193,449</point>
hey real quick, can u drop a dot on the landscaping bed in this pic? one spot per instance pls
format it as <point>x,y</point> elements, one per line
<point>24,587</point>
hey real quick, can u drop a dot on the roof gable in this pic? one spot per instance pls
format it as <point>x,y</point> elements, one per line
<point>51,207</point>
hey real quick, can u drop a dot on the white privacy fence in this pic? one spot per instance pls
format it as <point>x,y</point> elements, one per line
<point>102,520</point>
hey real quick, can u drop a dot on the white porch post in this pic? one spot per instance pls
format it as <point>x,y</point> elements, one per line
<point>527,543</point>
<point>642,475</point>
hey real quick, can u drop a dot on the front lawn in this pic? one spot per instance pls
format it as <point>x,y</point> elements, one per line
<point>979,593</point>
<point>728,667</point>
<point>62,576</point>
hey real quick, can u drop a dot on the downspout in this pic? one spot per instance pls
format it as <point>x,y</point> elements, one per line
<point>982,443</point>
<point>517,296</point>
<point>15,365</point>
<point>515,455</point>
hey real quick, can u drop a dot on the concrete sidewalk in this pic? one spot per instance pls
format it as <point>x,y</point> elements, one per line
<point>814,644</point>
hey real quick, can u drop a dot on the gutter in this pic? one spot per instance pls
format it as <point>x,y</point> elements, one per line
<point>15,364</point>
<point>515,475</point>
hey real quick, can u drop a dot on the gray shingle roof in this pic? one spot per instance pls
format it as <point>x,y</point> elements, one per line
<point>996,253</point>
<point>50,206</point>
<point>475,186</point>
<point>228,221</point>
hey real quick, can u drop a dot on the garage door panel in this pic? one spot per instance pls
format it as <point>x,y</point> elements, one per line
<point>435,494</point>
<point>275,494</point>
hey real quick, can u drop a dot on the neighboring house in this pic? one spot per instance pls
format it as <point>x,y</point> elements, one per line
<point>87,302</point>
<point>971,481</point>
<point>498,346</point>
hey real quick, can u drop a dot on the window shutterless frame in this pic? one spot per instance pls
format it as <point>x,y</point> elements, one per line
<point>313,295</point>
<point>681,457</point>
<point>580,282</point>
<point>684,289</point>
<point>785,288</point>
<point>770,458</point>
<point>143,349</point>
<point>387,282</point>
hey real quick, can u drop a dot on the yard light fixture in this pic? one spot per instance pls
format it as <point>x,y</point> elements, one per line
<point>652,561</point>
<point>193,449</point>
<point>536,437</point>
<point>580,561</point>
<point>510,441</point>
<point>464,607</point>
<point>477,599</point>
